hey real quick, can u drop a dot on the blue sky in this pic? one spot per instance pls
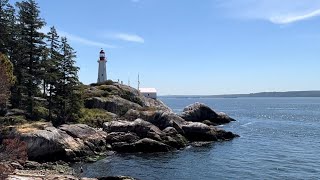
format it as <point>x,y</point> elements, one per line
<point>195,47</point>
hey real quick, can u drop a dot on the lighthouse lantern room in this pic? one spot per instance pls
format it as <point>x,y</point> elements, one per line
<point>102,71</point>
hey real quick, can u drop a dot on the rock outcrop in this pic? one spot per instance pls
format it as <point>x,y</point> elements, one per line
<point>159,118</point>
<point>199,112</point>
<point>68,142</point>
<point>140,125</point>
<point>138,135</point>
<point>118,99</point>
<point>141,136</point>
<point>144,145</point>
<point>196,131</point>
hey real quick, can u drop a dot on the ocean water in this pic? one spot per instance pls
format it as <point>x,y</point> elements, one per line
<point>280,139</point>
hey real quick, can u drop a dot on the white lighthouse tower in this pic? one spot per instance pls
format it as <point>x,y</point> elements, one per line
<point>102,71</point>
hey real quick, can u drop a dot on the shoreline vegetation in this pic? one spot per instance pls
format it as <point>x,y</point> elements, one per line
<point>49,119</point>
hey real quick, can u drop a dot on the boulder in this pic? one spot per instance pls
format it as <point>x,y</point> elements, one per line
<point>32,165</point>
<point>127,137</point>
<point>127,134</point>
<point>199,112</point>
<point>16,165</point>
<point>146,145</point>
<point>176,141</point>
<point>52,143</point>
<point>140,127</point>
<point>94,139</point>
<point>225,135</point>
<point>170,131</point>
<point>161,119</point>
<point>195,131</point>
<point>68,143</point>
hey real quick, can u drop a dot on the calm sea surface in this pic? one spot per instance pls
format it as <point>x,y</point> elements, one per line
<point>280,139</point>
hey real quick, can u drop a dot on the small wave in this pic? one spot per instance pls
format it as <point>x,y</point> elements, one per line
<point>281,108</point>
<point>245,125</point>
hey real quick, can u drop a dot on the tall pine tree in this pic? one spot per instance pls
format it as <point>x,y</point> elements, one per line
<point>51,67</point>
<point>6,12</point>
<point>68,100</point>
<point>32,46</point>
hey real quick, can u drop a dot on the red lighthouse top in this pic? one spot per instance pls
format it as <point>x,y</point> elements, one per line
<point>102,55</point>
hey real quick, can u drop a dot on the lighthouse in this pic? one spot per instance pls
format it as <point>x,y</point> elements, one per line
<point>102,71</point>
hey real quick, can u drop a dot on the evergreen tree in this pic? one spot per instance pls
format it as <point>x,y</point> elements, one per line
<point>37,64</point>
<point>7,79</point>
<point>6,18</point>
<point>51,67</point>
<point>32,47</point>
<point>68,100</point>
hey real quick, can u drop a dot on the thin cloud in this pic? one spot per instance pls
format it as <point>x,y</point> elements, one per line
<point>85,41</point>
<point>80,40</point>
<point>291,19</point>
<point>274,11</point>
<point>129,37</point>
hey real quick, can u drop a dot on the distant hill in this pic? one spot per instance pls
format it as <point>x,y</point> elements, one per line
<point>260,94</point>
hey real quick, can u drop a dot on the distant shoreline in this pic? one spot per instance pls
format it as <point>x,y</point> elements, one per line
<point>260,94</point>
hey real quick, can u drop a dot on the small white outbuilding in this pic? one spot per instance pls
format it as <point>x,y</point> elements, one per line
<point>149,92</point>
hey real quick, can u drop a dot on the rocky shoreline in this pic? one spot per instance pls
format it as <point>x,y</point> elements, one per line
<point>138,124</point>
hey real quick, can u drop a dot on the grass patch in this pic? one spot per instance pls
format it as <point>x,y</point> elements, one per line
<point>95,117</point>
<point>31,127</point>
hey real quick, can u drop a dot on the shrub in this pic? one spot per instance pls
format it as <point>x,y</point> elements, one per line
<point>131,97</point>
<point>107,82</point>
<point>95,117</point>
<point>12,120</point>
<point>13,150</point>
<point>40,112</point>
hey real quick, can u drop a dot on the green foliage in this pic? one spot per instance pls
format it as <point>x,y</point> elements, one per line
<point>32,44</point>
<point>7,79</point>
<point>12,120</point>
<point>107,90</point>
<point>7,19</point>
<point>46,83</point>
<point>68,89</point>
<point>8,66</point>
<point>51,74</point>
<point>128,95</point>
<point>107,82</point>
<point>94,117</point>
<point>40,112</point>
